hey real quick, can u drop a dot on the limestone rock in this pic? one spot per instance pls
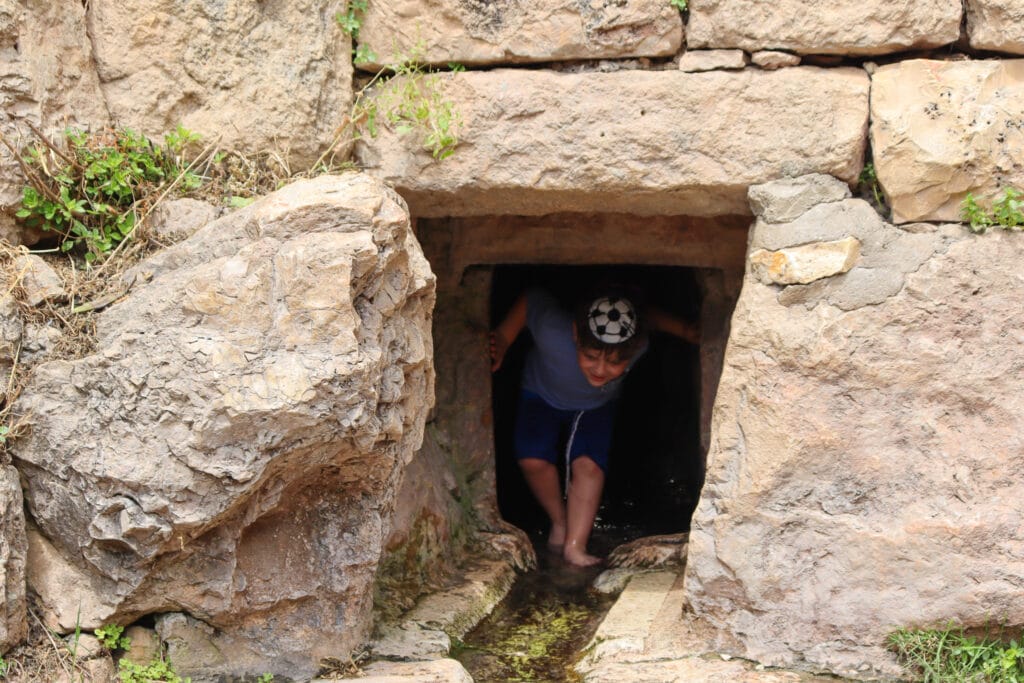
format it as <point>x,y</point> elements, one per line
<point>145,645</point>
<point>786,199</point>
<point>178,218</point>
<point>251,75</point>
<point>38,280</point>
<point>806,263</point>
<point>996,25</point>
<point>11,331</point>
<point>648,143</point>
<point>710,60</point>
<point>650,551</point>
<point>846,27</point>
<point>476,32</point>
<point>436,671</point>
<point>252,405</point>
<point>942,129</point>
<point>774,59</point>
<point>47,78</point>
<point>13,552</point>
<point>859,475</point>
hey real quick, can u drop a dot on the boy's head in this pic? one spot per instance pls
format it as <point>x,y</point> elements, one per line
<point>609,332</point>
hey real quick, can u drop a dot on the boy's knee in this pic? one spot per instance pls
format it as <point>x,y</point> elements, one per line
<point>534,464</point>
<point>583,466</point>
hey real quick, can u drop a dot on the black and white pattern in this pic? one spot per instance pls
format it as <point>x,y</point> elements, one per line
<point>612,319</point>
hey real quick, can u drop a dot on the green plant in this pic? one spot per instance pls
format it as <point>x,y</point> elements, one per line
<point>93,187</point>
<point>411,100</point>
<point>110,637</point>
<point>265,678</point>
<point>1007,212</point>
<point>678,4</point>
<point>351,20</point>
<point>868,180</point>
<point>3,667</point>
<point>951,656</point>
<point>157,671</point>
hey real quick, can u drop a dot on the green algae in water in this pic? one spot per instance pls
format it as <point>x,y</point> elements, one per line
<point>538,631</point>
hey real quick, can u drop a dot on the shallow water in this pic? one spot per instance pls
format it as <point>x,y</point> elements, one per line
<point>539,630</point>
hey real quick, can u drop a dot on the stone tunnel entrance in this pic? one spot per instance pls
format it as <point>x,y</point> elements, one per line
<point>690,266</point>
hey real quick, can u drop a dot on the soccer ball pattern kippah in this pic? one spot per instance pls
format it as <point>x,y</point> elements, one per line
<point>612,319</point>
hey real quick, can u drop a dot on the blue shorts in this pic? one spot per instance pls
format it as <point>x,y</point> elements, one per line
<point>541,431</point>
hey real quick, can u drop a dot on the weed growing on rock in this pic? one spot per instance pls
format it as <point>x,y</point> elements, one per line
<point>110,637</point>
<point>867,184</point>
<point>680,5</point>
<point>157,671</point>
<point>351,20</point>
<point>1007,212</point>
<point>951,656</point>
<point>92,189</point>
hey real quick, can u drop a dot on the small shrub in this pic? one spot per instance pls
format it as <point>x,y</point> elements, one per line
<point>1007,212</point>
<point>951,656</point>
<point>351,20</point>
<point>92,187</point>
<point>110,637</point>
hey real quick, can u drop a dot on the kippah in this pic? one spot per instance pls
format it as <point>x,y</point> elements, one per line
<point>612,319</point>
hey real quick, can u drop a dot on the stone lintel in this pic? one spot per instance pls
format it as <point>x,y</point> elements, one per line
<point>646,143</point>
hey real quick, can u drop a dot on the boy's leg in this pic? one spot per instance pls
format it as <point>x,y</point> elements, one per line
<point>542,478</point>
<point>584,497</point>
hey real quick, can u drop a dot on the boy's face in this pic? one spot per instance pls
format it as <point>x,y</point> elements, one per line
<point>600,367</point>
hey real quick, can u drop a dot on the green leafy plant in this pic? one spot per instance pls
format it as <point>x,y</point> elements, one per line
<point>868,181</point>
<point>265,678</point>
<point>1007,212</point>
<point>157,671</point>
<point>93,187</point>
<point>951,656</point>
<point>410,98</point>
<point>3,667</point>
<point>680,5</point>
<point>351,20</point>
<point>110,637</point>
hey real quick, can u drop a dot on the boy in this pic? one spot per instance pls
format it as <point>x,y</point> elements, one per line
<point>573,375</point>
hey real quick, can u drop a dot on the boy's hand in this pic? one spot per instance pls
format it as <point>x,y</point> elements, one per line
<point>498,348</point>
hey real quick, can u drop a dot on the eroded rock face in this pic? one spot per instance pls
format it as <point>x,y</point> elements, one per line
<point>13,553</point>
<point>942,129</point>
<point>47,78</point>
<point>850,27</point>
<point>251,75</point>
<point>860,473</point>
<point>251,407</point>
<point>630,142</point>
<point>996,25</point>
<point>480,32</point>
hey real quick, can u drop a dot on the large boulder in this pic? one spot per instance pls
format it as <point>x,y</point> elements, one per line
<point>233,448</point>
<point>843,27</point>
<point>13,554</point>
<point>533,143</point>
<point>942,129</point>
<point>47,79</point>
<point>246,74</point>
<point>475,32</point>
<point>860,476</point>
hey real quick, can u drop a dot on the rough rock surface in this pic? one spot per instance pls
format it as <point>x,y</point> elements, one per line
<point>845,27</point>
<point>638,142</point>
<point>942,129</point>
<point>861,472</point>
<point>805,263</point>
<point>273,76</point>
<point>480,32</point>
<point>774,59</point>
<point>13,554</point>
<point>47,78</point>
<point>709,60</point>
<point>176,219</point>
<point>251,407</point>
<point>996,25</point>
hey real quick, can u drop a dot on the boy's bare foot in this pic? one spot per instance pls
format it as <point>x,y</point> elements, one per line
<point>578,557</point>
<point>556,539</point>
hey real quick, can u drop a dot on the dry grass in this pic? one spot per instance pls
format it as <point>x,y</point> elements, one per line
<point>46,658</point>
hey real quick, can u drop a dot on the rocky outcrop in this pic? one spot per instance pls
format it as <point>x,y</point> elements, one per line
<point>250,410</point>
<point>473,32</point>
<point>857,478</point>
<point>648,143</point>
<point>47,78</point>
<point>247,75</point>
<point>942,129</point>
<point>13,553</point>
<point>847,27</point>
<point>996,25</point>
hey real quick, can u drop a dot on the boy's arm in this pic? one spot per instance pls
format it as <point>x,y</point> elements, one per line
<point>506,333</point>
<point>661,321</point>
